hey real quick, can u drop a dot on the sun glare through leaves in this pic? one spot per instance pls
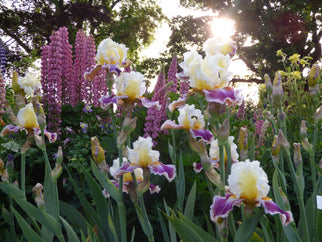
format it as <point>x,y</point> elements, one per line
<point>222,28</point>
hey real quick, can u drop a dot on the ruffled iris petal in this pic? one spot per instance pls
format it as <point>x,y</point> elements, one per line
<point>154,189</point>
<point>272,208</point>
<point>11,129</point>
<point>125,168</point>
<point>107,100</point>
<point>148,104</point>
<point>197,167</point>
<point>169,171</point>
<point>223,95</point>
<point>169,124</point>
<point>113,68</point>
<point>92,73</point>
<point>221,206</point>
<point>205,134</point>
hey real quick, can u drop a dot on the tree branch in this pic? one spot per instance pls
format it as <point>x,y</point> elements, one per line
<point>257,81</point>
<point>16,38</point>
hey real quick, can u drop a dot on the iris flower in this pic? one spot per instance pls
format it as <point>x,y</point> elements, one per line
<point>27,120</point>
<point>130,86</point>
<point>111,56</point>
<point>127,177</point>
<point>210,75</point>
<point>214,154</point>
<point>190,119</point>
<point>142,156</point>
<point>248,184</point>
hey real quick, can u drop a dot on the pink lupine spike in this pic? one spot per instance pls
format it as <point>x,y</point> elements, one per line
<point>172,75</point>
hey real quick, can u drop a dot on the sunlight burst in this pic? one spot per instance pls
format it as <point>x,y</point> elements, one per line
<point>223,28</point>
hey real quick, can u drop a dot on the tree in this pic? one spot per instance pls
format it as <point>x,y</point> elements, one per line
<point>294,26</point>
<point>30,23</point>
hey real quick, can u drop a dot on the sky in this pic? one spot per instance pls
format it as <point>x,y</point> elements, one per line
<point>172,8</point>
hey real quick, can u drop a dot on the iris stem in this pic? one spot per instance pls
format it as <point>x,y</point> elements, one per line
<point>299,197</point>
<point>23,172</point>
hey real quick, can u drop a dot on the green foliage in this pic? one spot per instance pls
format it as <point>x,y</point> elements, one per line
<point>30,24</point>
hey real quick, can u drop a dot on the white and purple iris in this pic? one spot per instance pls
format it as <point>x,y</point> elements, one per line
<point>130,86</point>
<point>210,75</point>
<point>127,177</point>
<point>190,119</point>
<point>27,120</point>
<point>142,156</point>
<point>215,157</point>
<point>111,56</point>
<point>248,184</point>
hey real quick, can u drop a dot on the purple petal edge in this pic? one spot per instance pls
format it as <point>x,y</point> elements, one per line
<point>223,95</point>
<point>197,167</point>
<point>221,206</point>
<point>205,134</point>
<point>169,171</point>
<point>272,208</point>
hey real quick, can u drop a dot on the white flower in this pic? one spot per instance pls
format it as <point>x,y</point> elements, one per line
<point>110,52</point>
<point>27,117</point>
<point>130,84</point>
<point>127,177</point>
<point>248,181</point>
<point>29,83</point>
<point>208,73</point>
<point>190,58</point>
<point>142,154</point>
<point>190,117</point>
<point>213,46</point>
<point>214,150</point>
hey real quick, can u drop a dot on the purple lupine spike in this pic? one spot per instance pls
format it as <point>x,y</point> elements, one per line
<point>184,87</point>
<point>92,88</point>
<point>2,96</point>
<point>67,63</point>
<point>172,75</point>
<point>51,80</point>
<point>258,117</point>
<point>78,67</point>
<point>160,81</point>
<point>155,117</point>
<point>241,111</point>
<point>3,59</point>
